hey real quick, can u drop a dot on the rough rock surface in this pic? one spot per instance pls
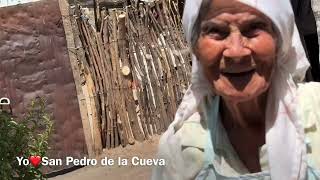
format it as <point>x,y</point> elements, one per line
<point>34,62</point>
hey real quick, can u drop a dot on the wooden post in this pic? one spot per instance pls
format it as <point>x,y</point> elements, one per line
<point>73,40</point>
<point>111,93</point>
<point>127,79</point>
<point>126,49</point>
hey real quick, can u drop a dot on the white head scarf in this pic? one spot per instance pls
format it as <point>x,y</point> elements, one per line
<point>284,133</point>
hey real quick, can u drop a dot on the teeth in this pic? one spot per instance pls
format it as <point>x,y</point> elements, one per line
<point>238,72</point>
<point>241,72</point>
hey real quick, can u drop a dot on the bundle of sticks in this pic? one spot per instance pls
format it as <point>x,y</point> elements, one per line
<point>137,68</point>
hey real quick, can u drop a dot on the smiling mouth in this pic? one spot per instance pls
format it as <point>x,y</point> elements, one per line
<point>239,74</point>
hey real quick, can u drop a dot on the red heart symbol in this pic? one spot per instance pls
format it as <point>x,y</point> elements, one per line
<point>35,160</point>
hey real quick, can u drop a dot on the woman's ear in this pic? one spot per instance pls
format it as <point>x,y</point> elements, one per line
<point>276,34</point>
<point>194,49</point>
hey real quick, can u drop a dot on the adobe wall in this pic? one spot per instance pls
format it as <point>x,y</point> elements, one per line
<point>34,62</point>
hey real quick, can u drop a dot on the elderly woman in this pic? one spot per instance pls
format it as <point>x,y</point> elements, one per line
<point>244,116</point>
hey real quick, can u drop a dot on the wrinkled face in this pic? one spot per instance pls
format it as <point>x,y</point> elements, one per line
<point>237,50</point>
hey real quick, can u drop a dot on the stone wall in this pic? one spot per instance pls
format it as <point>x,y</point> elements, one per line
<point>34,62</point>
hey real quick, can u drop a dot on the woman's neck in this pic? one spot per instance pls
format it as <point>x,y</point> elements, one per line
<point>244,115</point>
<point>245,126</point>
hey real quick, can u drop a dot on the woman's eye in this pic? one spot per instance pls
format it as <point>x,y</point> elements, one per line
<point>253,30</point>
<point>218,33</point>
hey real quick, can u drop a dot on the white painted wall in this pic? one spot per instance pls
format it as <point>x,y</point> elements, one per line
<point>4,3</point>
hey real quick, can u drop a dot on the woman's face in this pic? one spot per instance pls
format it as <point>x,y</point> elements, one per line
<point>237,49</point>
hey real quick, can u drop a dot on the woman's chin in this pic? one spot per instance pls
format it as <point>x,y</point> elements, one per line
<point>251,91</point>
<point>238,97</point>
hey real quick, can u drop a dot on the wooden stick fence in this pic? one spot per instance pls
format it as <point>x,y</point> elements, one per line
<point>136,70</point>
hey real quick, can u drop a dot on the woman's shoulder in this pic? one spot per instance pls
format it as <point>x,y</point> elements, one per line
<point>310,86</point>
<point>309,108</point>
<point>309,102</point>
<point>183,150</point>
<point>309,95</point>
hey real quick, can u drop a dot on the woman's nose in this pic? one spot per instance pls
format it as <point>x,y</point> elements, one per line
<point>236,46</point>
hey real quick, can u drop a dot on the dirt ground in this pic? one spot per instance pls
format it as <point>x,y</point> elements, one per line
<point>144,150</point>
